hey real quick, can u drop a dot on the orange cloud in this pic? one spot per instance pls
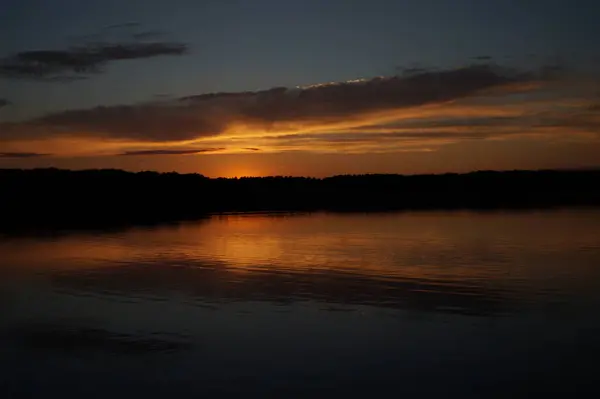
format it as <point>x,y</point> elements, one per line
<point>418,112</point>
<point>207,115</point>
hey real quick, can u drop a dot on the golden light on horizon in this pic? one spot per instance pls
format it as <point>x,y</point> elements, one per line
<point>242,171</point>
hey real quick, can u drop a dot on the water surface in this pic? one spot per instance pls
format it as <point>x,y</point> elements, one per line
<point>278,305</point>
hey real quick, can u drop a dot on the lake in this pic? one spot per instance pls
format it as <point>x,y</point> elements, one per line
<point>450,304</point>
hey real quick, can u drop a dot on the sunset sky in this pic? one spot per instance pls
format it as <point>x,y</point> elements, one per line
<point>291,87</point>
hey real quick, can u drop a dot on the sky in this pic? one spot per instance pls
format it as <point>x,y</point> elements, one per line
<point>312,87</point>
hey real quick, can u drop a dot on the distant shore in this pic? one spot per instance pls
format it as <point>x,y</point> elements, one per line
<point>55,198</point>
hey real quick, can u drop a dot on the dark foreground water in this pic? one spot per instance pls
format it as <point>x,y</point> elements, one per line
<point>457,304</point>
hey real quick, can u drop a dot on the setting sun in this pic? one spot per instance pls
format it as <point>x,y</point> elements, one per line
<point>242,172</point>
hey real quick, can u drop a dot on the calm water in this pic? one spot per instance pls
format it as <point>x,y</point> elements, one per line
<point>430,304</point>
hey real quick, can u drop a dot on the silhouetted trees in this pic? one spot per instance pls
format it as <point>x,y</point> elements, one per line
<point>63,198</point>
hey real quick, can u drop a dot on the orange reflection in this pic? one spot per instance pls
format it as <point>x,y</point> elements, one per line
<point>437,246</point>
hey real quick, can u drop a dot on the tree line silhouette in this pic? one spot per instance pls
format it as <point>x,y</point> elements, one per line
<point>39,198</point>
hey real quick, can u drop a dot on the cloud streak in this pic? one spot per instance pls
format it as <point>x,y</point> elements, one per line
<point>171,152</point>
<point>80,61</point>
<point>22,155</point>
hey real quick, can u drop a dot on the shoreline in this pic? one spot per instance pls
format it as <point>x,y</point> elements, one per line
<point>61,199</point>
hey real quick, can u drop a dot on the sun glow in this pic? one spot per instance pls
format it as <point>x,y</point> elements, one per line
<point>242,171</point>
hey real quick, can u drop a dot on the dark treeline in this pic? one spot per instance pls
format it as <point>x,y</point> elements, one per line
<point>62,198</point>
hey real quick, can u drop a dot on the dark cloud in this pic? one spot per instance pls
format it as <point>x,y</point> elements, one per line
<point>21,155</point>
<point>172,152</point>
<point>482,58</point>
<point>378,137</point>
<point>4,102</point>
<point>215,113</point>
<point>252,149</point>
<point>463,122</point>
<point>588,121</point>
<point>89,57</point>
